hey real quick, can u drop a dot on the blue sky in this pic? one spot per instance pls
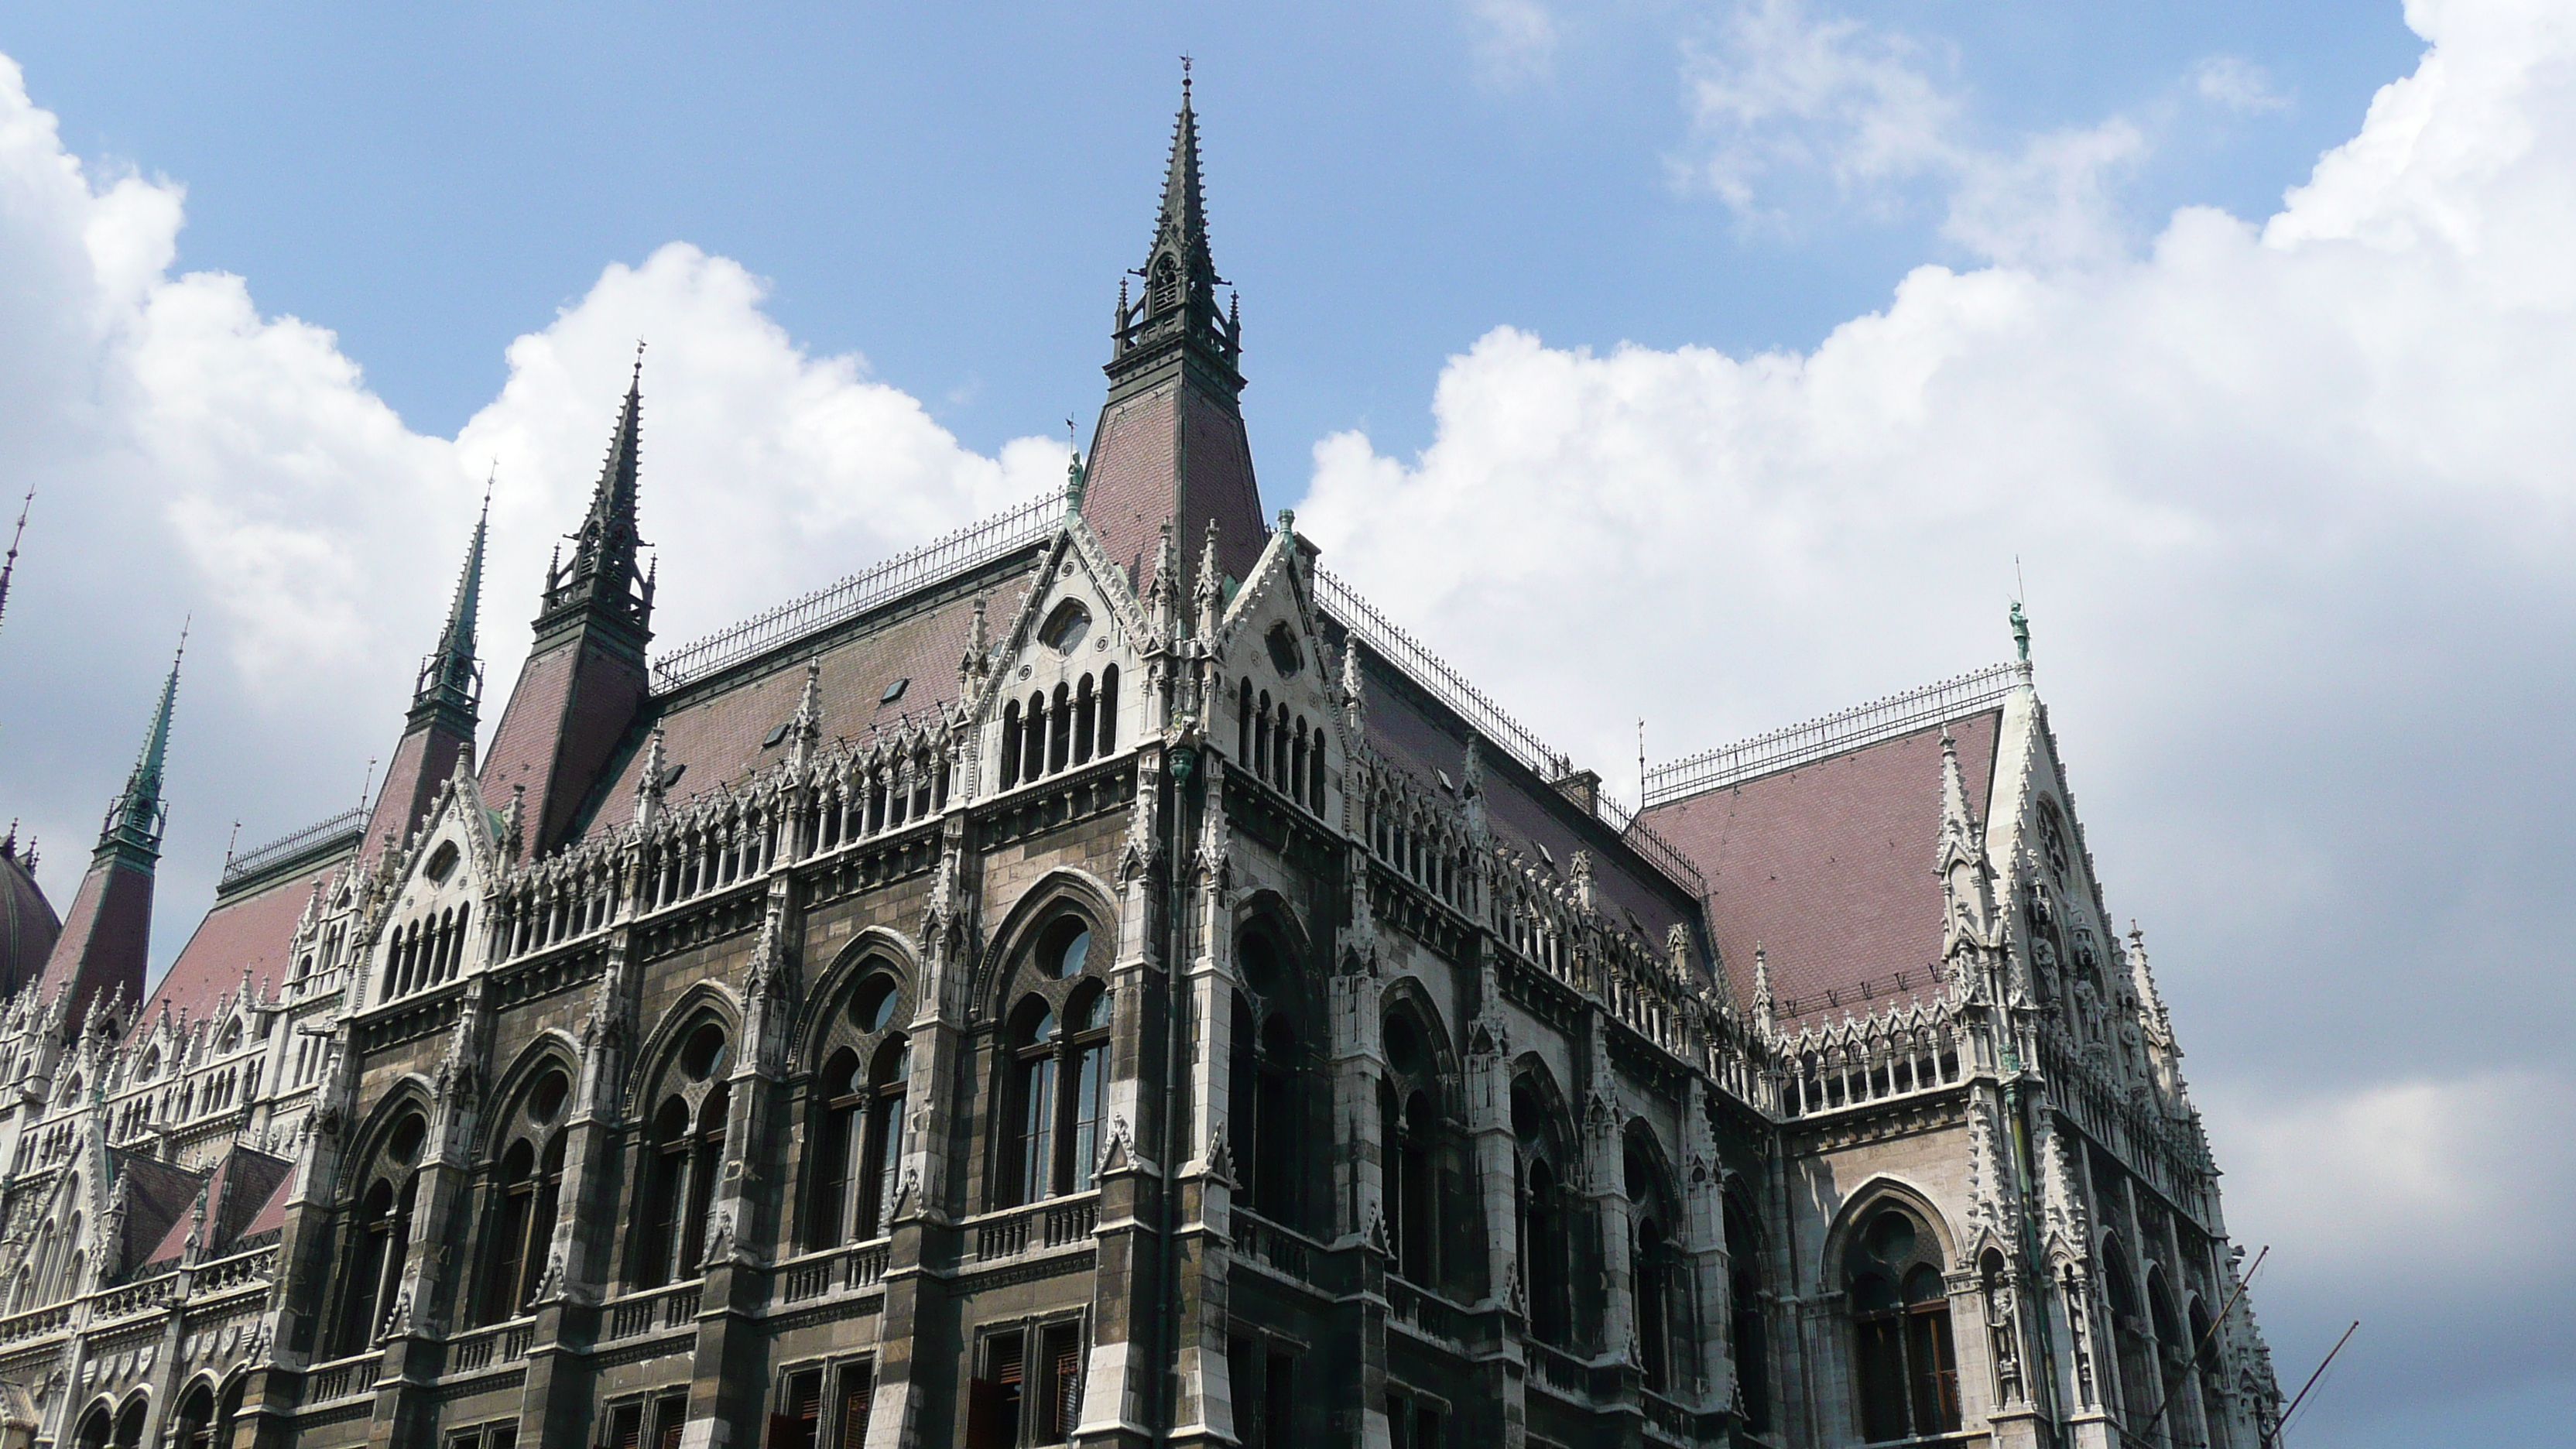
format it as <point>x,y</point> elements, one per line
<point>949,192</point>
<point>1920,297</point>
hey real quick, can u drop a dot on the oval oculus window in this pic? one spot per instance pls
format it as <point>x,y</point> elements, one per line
<point>1065,627</point>
<point>1284,652</point>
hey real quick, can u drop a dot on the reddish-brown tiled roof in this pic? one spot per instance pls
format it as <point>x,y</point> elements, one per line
<point>271,1214</point>
<point>249,932</point>
<point>158,1196</point>
<point>28,926</point>
<point>719,737</point>
<point>1829,868</point>
<point>423,761</point>
<point>1430,742</point>
<point>240,1189</point>
<point>106,938</point>
<point>1173,455</point>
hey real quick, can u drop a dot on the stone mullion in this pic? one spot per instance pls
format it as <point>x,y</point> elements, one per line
<point>1120,1377</point>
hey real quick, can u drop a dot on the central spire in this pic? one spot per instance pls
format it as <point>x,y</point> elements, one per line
<point>1178,311</point>
<point>1169,454</point>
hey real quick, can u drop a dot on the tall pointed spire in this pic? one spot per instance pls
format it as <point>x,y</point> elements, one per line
<point>107,934</point>
<point>1170,446</point>
<point>604,579</point>
<point>451,679</point>
<point>1179,302</point>
<point>134,822</point>
<point>584,679</point>
<point>9,565</point>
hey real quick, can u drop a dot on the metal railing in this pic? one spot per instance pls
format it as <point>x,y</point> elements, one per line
<point>1834,734</point>
<point>251,862</point>
<point>977,543</point>
<point>1435,675</point>
<point>1444,683</point>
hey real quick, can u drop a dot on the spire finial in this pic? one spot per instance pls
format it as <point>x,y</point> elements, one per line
<point>450,676</point>
<point>134,822</point>
<point>9,565</point>
<point>603,574</point>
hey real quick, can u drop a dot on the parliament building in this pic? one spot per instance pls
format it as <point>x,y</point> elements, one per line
<point>1095,980</point>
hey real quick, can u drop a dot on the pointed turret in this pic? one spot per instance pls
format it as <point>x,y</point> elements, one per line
<point>1170,447</point>
<point>438,734</point>
<point>584,680</point>
<point>101,953</point>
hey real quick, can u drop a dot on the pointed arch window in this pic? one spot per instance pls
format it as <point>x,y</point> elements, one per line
<point>527,1194</point>
<point>1057,1077</point>
<point>1542,1223</point>
<point>377,1238</point>
<point>683,1156</point>
<point>1906,1370</point>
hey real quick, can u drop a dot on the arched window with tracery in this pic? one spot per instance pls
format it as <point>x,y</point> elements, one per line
<point>1055,1069</point>
<point>377,1235</point>
<point>683,1154</point>
<point>1544,1224</point>
<point>1416,1150</point>
<point>1659,1286</point>
<point>860,1116</point>
<point>1906,1372</point>
<point>1751,1333</point>
<point>525,1198</point>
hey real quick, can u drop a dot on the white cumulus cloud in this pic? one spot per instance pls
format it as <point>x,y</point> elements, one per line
<point>2293,503</point>
<point>190,451</point>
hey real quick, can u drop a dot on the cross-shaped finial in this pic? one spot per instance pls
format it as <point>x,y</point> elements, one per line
<point>639,359</point>
<point>1185,75</point>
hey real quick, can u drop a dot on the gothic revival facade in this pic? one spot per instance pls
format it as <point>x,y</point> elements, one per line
<point>1094,980</point>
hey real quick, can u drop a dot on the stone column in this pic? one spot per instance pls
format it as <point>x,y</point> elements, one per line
<point>1496,1153</point>
<point>1122,1389</point>
<point>1358,1053</point>
<point>1205,1411</point>
<point>1704,1249</point>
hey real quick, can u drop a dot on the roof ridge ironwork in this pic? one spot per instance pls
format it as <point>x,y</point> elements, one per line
<point>1855,728</point>
<point>944,557</point>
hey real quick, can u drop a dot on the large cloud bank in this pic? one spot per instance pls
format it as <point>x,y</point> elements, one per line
<point>2293,501</point>
<point>2291,497</point>
<point>189,452</point>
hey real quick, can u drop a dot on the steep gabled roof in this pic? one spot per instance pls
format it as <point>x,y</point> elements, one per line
<point>244,933</point>
<point>721,733</point>
<point>1828,867</point>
